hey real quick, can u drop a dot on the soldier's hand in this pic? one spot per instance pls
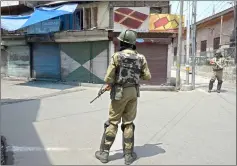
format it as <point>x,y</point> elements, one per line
<point>212,62</point>
<point>108,87</point>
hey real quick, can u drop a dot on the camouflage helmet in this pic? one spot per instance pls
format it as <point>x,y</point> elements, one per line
<point>218,52</point>
<point>128,36</point>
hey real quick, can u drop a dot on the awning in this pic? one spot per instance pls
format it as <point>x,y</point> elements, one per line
<point>12,23</point>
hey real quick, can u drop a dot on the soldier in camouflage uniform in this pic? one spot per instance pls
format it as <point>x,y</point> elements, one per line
<point>218,66</point>
<point>124,72</point>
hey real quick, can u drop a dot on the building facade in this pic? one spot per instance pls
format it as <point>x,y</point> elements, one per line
<point>213,32</point>
<point>78,46</point>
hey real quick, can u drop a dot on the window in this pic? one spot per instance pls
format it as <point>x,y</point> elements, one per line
<point>203,46</point>
<point>216,43</point>
<point>88,17</point>
<point>95,15</point>
<point>78,19</point>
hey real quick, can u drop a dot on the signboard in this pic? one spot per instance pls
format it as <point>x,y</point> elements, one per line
<point>44,27</point>
<point>164,23</point>
<point>136,18</point>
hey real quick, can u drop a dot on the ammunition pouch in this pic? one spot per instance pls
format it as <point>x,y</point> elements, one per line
<point>116,92</point>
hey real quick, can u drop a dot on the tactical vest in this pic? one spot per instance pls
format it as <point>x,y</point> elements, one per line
<point>129,68</point>
<point>219,65</point>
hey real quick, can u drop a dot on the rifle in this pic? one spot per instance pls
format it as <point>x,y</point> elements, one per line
<point>100,93</point>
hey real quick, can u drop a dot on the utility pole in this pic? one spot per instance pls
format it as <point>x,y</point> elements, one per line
<point>221,30</point>
<point>187,43</point>
<point>235,28</point>
<point>194,11</point>
<point>179,51</point>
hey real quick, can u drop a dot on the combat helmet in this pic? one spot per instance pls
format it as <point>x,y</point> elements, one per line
<point>128,36</point>
<point>218,53</point>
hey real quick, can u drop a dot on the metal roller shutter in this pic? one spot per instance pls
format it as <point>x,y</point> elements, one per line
<point>84,62</point>
<point>99,61</point>
<point>156,55</point>
<point>46,61</point>
<point>4,61</point>
<point>18,61</point>
<point>75,62</point>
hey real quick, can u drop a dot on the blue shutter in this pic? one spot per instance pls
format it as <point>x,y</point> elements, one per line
<point>46,61</point>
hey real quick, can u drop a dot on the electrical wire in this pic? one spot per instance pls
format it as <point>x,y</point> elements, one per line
<point>206,9</point>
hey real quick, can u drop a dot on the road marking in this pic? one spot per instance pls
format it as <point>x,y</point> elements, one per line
<point>39,149</point>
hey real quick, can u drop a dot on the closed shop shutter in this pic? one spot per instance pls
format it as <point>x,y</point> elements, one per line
<point>46,61</point>
<point>4,61</point>
<point>18,61</point>
<point>156,56</point>
<point>75,62</point>
<point>99,61</point>
<point>85,61</point>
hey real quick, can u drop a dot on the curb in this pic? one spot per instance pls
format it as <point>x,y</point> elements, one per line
<point>78,84</point>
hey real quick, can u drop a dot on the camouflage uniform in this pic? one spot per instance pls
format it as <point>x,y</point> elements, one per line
<point>218,67</point>
<point>124,72</point>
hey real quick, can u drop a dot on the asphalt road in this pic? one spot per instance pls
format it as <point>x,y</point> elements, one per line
<point>171,127</point>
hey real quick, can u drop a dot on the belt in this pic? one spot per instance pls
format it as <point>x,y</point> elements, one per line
<point>127,85</point>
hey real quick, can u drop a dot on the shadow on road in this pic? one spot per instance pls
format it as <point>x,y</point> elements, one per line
<point>145,151</point>
<point>46,84</point>
<point>17,125</point>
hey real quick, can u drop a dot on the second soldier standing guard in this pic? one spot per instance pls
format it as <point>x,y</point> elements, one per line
<point>218,63</point>
<point>123,75</point>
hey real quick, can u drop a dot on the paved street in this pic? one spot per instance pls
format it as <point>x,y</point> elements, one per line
<point>61,127</point>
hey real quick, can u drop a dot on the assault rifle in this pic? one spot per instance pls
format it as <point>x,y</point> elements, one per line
<point>102,91</point>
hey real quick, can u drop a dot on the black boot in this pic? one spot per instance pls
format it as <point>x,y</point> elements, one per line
<point>129,158</point>
<point>210,85</point>
<point>102,156</point>
<point>219,86</point>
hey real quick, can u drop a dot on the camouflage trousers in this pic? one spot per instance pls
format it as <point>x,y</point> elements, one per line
<point>125,110</point>
<point>217,75</point>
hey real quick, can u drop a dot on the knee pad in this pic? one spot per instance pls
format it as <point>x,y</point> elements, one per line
<point>123,126</point>
<point>220,82</point>
<point>212,81</point>
<point>106,124</point>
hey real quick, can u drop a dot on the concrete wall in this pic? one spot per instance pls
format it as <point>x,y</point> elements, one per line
<point>111,49</point>
<point>103,15</point>
<point>169,61</point>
